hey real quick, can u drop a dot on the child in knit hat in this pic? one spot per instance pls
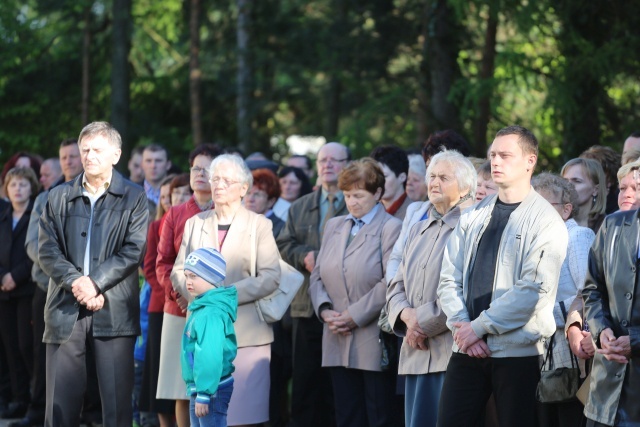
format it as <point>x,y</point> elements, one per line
<point>209,341</point>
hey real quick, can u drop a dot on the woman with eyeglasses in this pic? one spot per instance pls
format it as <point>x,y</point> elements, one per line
<point>170,383</point>
<point>228,229</point>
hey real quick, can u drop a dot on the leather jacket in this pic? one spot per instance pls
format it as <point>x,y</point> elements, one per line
<point>610,301</point>
<point>118,239</point>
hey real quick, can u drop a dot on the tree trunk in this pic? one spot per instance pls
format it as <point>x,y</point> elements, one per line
<point>195,73</point>
<point>487,67</point>
<point>120,71</point>
<point>86,67</point>
<point>442,49</point>
<point>244,75</point>
<point>423,116</point>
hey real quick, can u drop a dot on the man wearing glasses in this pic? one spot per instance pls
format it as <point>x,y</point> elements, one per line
<point>299,243</point>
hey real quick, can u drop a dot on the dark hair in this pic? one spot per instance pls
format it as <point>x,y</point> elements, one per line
<point>305,187</point>
<point>634,134</point>
<point>68,141</point>
<point>267,181</point>
<point>444,139</point>
<point>205,149</point>
<point>365,174</point>
<point>154,148</point>
<point>33,160</point>
<point>26,173</point>
<point>526,139</point>
<point>137,150</point>
<point>103,129</point>
<point>307,160</point>
<point>609,159</point>
<point>180,181</point>
<point>394,158</point>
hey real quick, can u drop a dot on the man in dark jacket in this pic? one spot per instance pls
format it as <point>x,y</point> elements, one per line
<point>91,242</point>
<point>612,310</point>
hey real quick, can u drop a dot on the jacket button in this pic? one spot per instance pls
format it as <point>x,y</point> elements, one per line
<point>627,295</point>
<point>624,323</point>
<point>633,269</point>
<point>618,375</point>
<point>78,268</point>
<point>75,304</point>
<point>83,234</point>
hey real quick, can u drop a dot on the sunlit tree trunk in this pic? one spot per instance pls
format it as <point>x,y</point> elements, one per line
<point>244,75</point>
<point>120,70</point>
<point>486,75</point>
<point>195,73</point>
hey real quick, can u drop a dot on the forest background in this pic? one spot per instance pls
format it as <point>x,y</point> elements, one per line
<point>251,73</point>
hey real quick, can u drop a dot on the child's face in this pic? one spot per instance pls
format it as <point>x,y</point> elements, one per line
<point>196,285</point>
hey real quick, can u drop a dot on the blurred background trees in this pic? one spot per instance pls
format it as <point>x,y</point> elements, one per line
<point>250,73</point>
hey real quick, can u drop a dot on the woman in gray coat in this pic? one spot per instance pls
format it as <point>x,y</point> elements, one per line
<point>412,303</point>
<point>347,289</point>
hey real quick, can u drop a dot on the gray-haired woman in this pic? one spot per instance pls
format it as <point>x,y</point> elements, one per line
<point>228,229</point>
<point>412,303</point>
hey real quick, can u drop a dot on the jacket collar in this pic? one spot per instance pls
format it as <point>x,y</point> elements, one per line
<point>450,219</point>
<point>116,186</point>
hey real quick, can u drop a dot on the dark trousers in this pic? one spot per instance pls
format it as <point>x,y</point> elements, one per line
<point>38,390</point>
<point>17,338</point>
<point>67,377</point>
<point>311,397</point>
<point>565,414</point>
<point>470,381</point>
<point>363,398</point>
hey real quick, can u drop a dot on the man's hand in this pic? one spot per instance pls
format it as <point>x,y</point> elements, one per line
<point>95,304</point>
<point>202,409</point>
<point>8,284</point>
<point>575,337</point>
<point>479,350</point>
<point>464,335</point>
<point>415,336</point>
<point>84,289</point>
<point>615,350</point>
<point>309,261</point>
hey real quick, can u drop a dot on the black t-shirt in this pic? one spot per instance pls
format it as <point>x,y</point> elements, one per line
<point>480,289</point>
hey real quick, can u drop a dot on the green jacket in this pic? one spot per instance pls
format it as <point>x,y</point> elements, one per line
<point>209,342</point>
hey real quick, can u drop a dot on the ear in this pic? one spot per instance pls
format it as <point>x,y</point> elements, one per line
<point>378,193</point>
<point>531,162</point>
<point>168,165</point>
<point>116,156</point>
<point>595,190</point>
<point>566,211</point>
<point>402,177</point>
<point>244,190</point>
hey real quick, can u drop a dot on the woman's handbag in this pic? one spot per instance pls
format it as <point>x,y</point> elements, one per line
<point>272,307</point>
<point>560,384</point>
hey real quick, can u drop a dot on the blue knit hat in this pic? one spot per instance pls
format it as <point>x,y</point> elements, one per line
<point>207,263</point>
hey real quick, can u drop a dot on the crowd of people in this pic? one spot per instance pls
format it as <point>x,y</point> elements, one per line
<point>439,289</point>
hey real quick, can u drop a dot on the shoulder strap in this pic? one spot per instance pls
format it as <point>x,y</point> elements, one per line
<point>253,245</point>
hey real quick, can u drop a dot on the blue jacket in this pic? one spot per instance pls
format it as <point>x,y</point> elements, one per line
<point>209,342</point>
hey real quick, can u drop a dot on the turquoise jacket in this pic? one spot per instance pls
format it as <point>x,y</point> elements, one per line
<point>209,342</point>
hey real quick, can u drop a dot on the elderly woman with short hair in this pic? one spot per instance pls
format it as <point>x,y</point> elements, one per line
<point>347,289</point>
<point>228,228</point>
<point>416,187</point>
<point>627,184</point>
<point>412,303</point>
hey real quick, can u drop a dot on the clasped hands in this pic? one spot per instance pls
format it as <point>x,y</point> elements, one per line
<point>468,342</point>
<point>8,284</point>
<point>84,290</point>
<point>580,342</point>
<point>614,349</point>
<point>338,323</point>
<point>415,336</point>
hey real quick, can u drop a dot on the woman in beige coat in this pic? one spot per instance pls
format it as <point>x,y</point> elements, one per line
<point>347,289</point>
<point>228,229</point>
<point>412,303</point>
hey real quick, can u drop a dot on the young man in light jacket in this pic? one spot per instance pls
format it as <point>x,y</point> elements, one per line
<point>497,287</point>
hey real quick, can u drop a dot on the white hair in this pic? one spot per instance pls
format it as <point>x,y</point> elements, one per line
<point>462,168</point>
<point>242,172</point>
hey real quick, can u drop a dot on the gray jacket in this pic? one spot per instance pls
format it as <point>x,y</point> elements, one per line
<point>532,249</point>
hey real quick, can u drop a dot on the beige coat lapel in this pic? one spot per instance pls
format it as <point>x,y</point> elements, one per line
<point>370,229</point>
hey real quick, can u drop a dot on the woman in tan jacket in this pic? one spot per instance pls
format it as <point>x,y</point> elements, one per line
<point>412,303</point>
<point>347,289</point>
<point>228,229</point>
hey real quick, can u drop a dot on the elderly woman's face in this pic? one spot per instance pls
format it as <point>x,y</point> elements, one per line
<point>486,187</point>
<point>443,186</point>
<point>226,187</point>
<point>290,187</point>
<point>19,190</point>
<point>416,186</point>
<point>627,195</point>
<point>360,202</point>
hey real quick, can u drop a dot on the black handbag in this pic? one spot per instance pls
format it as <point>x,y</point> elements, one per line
<point>560,384</point>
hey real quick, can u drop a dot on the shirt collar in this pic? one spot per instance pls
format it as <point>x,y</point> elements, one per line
<point>91,190</point>
<point>367,218</point>
<point>324,193</point>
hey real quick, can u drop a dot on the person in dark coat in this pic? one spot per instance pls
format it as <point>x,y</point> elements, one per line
<point>16,291</point>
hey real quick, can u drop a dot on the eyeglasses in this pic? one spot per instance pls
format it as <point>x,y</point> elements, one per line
<point>225,182</point>
<point>331,160</point>
<point>196,170</point>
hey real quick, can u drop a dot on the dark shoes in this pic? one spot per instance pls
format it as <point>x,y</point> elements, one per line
<point>14,410</point>
<point>27,422</point>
